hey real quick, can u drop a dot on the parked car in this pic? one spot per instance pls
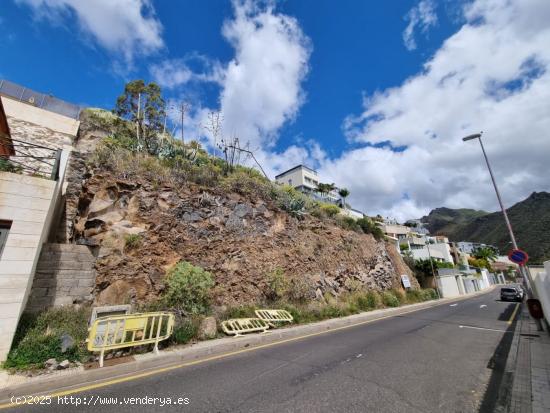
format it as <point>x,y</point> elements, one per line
<point>520,290</point>
<point>510,294</point>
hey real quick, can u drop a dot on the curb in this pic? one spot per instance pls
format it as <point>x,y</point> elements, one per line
<point>170,359</point>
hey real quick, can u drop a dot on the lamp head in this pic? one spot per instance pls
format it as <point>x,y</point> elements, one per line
<point>474,136</point>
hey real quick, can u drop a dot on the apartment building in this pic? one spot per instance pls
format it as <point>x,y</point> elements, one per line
<point>306,180</point>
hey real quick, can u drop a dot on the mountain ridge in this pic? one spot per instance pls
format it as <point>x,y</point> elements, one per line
<point>530,221</point>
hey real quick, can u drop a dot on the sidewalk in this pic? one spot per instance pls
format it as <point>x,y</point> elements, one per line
<point>531,370</point>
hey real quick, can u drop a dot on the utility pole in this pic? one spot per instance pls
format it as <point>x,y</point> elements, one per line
<point>523,270</point>
<point>433,270</point>
<point>137,121</point>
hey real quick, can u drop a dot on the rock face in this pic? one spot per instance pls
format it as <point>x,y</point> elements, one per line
<point>240,241</point>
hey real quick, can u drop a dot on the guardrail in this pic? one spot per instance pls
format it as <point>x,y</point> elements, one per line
<point>114,332</point>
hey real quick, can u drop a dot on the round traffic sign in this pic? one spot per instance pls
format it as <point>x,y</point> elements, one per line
<point>518,256</point>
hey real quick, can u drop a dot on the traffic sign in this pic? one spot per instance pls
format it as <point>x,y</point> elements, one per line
<point>518,256</point>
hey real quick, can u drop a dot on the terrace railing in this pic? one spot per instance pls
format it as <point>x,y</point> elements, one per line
<point>29,158</point>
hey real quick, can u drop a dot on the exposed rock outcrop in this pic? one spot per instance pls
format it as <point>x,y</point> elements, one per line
<point>240,241</point>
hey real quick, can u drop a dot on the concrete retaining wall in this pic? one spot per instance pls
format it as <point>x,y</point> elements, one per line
<point>64,275</point>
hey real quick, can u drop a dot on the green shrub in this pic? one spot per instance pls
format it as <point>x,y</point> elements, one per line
<point>186,330</point>
<point>241,311</point>
<point>38,337</point>
<point>300,290</point>
<point>188,288</point>
<point>329,210</point>
<point>332,311</point>
<point>367,301</point>
<point>348,223</point>
<point>291,200</point>
<point>369,227</point>
<point>431,294</point>
<point>415,296</point>
<point>400,295</point>
<point>7,166</point>
<point>248,182</point>
<point>132,241</point>
<point>389,299</point>
<point>278,284</point>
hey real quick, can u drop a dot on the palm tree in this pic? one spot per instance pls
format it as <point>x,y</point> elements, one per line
<point>325,189</point>
<point>344,193</point>
<point>485,253</point>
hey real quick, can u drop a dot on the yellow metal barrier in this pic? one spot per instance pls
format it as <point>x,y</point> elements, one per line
<point>237,326</point>
<point>274,316</point>
<point>113,332</point>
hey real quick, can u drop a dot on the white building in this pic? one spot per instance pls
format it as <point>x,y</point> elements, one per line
<point>306,180</point>
<point>426,247</point>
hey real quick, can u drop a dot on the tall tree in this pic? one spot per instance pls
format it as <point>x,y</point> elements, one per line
<point>143,104</point>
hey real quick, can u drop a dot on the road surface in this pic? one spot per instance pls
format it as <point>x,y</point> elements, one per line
<point>441,359</point>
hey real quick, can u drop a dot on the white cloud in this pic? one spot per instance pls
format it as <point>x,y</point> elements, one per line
<point>422,17</point>
<point>174,73</point>
<point>128,27</point>
<point>261,90</point>
<point>493,75</point>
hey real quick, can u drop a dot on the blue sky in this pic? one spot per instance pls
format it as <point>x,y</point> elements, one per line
<point>373,94</point>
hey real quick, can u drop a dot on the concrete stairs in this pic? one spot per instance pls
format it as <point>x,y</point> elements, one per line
<point>64,275</point>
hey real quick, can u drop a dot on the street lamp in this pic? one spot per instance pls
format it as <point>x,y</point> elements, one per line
<point>508,225</point>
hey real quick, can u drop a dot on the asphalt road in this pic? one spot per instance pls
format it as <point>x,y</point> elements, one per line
<point>441,359</point>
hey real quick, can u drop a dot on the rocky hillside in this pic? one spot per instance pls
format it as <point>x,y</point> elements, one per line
<point>530,219</point>
<point>145,230</point>
<point>145,214</point>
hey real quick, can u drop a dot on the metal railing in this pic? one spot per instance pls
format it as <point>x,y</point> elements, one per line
<point>29,158</point>
<point>40,100</point>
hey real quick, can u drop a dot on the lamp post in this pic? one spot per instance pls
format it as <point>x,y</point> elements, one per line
<point>508,225</point>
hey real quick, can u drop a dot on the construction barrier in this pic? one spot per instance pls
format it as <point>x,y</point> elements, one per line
<point>239,326</point>
<point>120,331</point>
<point>275,316</point>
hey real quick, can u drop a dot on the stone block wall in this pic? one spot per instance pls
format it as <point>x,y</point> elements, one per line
<point>65,275</point>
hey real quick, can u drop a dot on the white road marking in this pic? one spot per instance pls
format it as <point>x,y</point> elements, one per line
<point>482,306</point>
<point>483,328</point>
<point>453,305</point>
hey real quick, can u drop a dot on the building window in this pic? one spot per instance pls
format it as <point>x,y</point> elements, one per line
<point>290,181</point>
<point>4,230</point>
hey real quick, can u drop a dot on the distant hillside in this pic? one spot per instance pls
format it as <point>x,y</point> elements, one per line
<point>446,220</point>
<point>530,220</point>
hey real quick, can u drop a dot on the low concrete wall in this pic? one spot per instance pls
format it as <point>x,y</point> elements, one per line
<point>65,275</point>
<point>448,286</point>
